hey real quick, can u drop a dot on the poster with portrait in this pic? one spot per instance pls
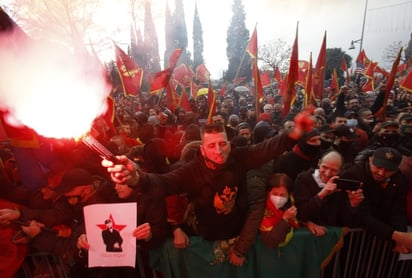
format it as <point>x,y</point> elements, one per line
<point>109,230</point>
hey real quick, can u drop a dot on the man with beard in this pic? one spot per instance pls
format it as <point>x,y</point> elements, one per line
<point>216,183</point>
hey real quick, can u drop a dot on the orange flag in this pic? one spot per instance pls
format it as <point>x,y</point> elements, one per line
<point>211,102</point>
<point>319,72</point>
<point>130,73</point>
<point>293,76</point>
<point>381,113</point>
<point>406,84</point>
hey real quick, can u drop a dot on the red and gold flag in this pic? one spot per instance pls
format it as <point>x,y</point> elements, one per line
<point>202,73</point>
<point>319,72</point>
<point>381,113</point>
<point>183,75</point>
<point>334,84</point>
<point>293,76</point>
<point>252,46</point>
<point>130,73</point>
<point>161,78</point>
<point>368,86</point>
<point>370,70</point>
<point>211,102</point>
<point>406,83</point>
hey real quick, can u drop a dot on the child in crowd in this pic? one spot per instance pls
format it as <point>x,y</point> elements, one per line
<point>279,219</point>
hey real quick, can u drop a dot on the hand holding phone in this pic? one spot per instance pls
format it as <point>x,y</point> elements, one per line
<point>348,184</point>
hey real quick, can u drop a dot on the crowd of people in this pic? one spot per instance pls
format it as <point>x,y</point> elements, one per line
<point>244,174</point>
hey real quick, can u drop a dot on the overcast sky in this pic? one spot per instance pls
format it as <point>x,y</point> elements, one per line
<point>386,21</point>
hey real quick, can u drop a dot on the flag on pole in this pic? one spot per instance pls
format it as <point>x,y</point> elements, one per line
<point>252,50</point>
<point>161,78</point>
<point>130,73</point>
<point>211,102</point>
<point>252,46</point>
<point>344,67</point>
<point>406,83</point>
<point>202,73</point>
<point>183,75</point>
<point>265,78</point>
<point>184,101</point>
<point>293,76</point>
<point>334,84</point>
<point>381,113</point>
<point>319,72</point>
<point>223,90</point>
<point>310,96</point>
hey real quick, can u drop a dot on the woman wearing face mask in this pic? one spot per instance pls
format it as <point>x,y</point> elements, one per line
<point>279,219</point>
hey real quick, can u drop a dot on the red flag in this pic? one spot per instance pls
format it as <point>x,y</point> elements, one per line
<point>258,87</point>
<point>278,76</point>
<point>370,70</point>
<point>310,97</point>
<point>381,113</point>
<point>103,126</point>
<point>402,68</point>
<point>161,78</point>
<point>183,75</point>
<point>171,97</point>
<point>334,84</point>
<point>223,90</point>
<point>252,46</point>
<point>292,76</point>
<point>184,101</point>
<point>368,86</point>
<point>265,78</point>
<point>380,70</point>
<point>319,72</point>
<point>193,90</point>
<point>211,102</point>
<point>344,67</point>
<point>239,80</point>
<point>362,58</point>
<point>406,84</point>
<point>130,73</point>
<point>202,73</point>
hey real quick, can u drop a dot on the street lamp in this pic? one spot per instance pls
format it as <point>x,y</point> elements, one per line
<point>352,44</point>
<point>360,41</point>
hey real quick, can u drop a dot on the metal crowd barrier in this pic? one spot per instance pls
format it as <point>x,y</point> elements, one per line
<point>363,255</point>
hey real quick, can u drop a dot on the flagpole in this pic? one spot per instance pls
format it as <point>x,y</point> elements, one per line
<point>243,58</point>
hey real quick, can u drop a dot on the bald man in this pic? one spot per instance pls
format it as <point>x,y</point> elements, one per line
<point>318,199</point>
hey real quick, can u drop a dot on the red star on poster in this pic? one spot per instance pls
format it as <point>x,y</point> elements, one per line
<point>115,226</point>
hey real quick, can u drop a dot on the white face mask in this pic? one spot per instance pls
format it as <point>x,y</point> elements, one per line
<point>278,201</point>
<point>352,123</point>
